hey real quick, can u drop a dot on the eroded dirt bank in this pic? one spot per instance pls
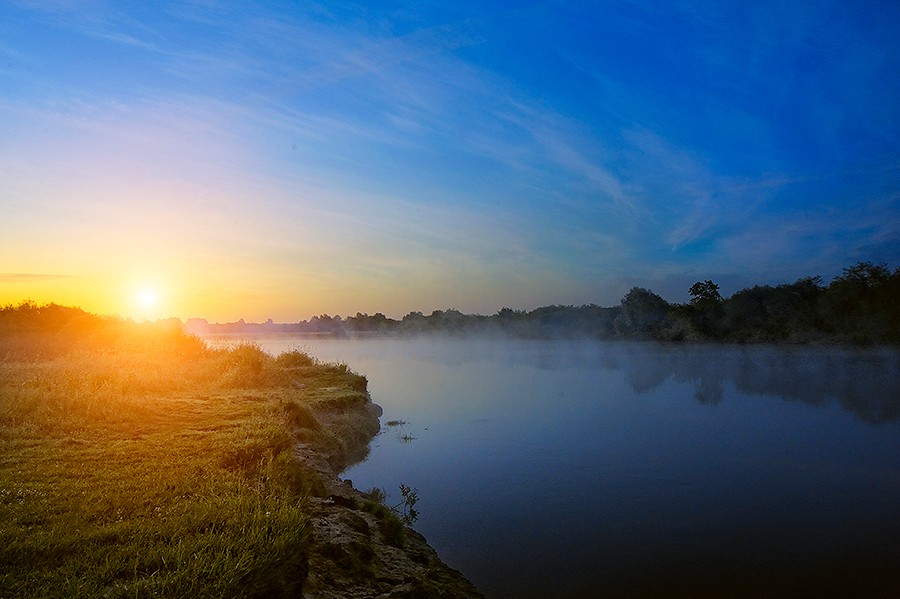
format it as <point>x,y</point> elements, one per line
<point>358,547</point>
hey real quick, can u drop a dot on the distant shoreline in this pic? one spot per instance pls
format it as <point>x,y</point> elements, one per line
<point>860,307</point>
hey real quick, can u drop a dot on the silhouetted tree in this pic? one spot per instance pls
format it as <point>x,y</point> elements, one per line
<point>705,310</point>
<point>705,293</point>
<point>765,313</point>
<point>863,304</point>
<point>642,313</point>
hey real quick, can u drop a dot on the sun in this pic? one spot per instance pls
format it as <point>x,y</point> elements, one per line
<point>146,301</point>
<point>147,298</point>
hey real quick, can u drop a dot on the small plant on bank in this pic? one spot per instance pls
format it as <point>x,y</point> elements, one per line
<point>405,510</point>
<point>392,521</point>
<point>376,495</point>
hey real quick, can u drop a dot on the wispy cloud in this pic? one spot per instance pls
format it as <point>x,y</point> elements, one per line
<point>96,19</point>
<point>372,57</point>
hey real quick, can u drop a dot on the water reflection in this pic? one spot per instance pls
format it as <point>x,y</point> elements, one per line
<point>865,382</point>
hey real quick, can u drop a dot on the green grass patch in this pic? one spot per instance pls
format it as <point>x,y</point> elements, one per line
<point>137,461</point>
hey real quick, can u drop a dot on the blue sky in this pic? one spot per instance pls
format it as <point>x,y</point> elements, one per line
<point>288,159</point>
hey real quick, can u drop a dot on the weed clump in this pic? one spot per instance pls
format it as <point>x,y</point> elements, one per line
<point>392,521</point>
<point>295,359</point>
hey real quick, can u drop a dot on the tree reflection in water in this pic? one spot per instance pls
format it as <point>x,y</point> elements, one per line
<point>863,381</point>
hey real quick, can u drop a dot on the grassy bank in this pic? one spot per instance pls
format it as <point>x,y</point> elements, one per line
<point>138,461</point>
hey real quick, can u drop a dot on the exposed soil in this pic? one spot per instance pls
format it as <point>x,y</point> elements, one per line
<point>355,553</point>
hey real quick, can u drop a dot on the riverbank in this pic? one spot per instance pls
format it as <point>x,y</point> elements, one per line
<point>359,548</point>
<point>138,461</point>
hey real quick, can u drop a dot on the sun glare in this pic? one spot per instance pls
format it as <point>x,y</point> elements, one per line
<point>146,302</point>
<point>147,298</point>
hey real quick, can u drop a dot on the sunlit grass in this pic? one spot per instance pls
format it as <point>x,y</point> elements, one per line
<point>137,461</point>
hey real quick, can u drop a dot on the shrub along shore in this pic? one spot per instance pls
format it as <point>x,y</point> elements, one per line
<point>136,461</point>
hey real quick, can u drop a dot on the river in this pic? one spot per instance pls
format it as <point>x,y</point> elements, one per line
<point>584,469</point>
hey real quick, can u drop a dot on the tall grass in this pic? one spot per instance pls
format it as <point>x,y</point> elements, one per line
<point>137,461</point>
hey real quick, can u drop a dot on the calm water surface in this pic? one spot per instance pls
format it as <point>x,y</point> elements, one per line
<point>583,469</point>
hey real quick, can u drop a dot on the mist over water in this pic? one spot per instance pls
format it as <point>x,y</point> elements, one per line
<point>572,468</point>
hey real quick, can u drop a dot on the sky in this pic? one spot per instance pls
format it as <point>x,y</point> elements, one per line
<point>281,160</point>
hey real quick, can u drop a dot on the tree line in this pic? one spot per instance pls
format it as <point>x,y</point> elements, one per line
<point>860,306</point>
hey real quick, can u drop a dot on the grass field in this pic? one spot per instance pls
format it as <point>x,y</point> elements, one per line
<point>136,461</point>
